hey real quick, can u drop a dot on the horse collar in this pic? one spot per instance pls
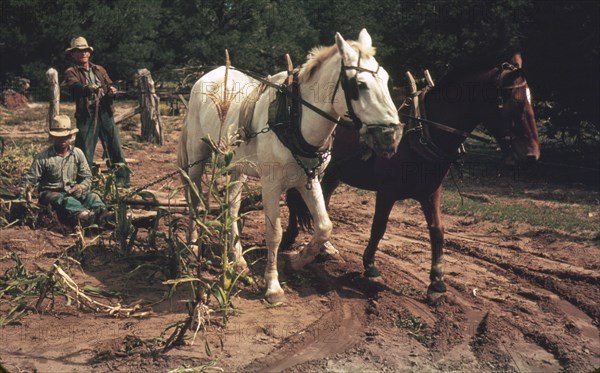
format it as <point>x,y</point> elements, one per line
<point>285,117</point>
<point>423,144</point>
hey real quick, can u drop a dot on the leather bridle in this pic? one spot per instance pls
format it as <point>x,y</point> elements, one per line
<point>351,93</point>
<point>507,68</point>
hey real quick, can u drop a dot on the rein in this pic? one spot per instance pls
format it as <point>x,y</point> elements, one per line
<point>446,128</point>
<point>351,85</point>
<point>299,147</point>
<point>282,89</point>
<point>350,88</point>
<point>432,151</point>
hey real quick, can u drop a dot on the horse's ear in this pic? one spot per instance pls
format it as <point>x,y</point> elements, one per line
<point>348,53</point>
<point>517,60</point>
<point>365,39</point>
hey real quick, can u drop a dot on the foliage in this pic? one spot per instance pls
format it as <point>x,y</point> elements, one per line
<point>18,289</point>
<point>257,33</point>
<point>561,62</point>
<point>36,33</point>
<point>562,47</point>
<point>162,35</point>
<point>214,231</point>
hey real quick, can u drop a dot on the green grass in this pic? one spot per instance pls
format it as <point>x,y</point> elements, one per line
<point>561,216</point>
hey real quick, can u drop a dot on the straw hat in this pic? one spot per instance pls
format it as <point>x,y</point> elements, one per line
<point>61,126</point>
<point>79,43</point>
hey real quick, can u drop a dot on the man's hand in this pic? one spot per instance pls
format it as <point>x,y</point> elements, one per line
<point>112,91</point>
<point>90,89</point>
<point>77,191</point>
<point>25,194</point>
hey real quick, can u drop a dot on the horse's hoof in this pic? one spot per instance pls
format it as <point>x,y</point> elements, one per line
<point>324,257</point>
<point>436,287</point>
<point>372,272</point>
<point>328,252</point>
<point>275,297</point>
<point>434,297</point>
<point>329,249</point>
<point>436,291</point>
<point>296,262</point>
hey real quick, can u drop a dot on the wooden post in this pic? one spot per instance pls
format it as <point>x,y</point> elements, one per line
<point>183,100</point>
<point>54,107</point>
<point>150,108</point>
<point>413,92</point>
<point>126,115</point>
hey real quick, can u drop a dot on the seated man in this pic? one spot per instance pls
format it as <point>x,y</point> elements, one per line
<point>63,177</point>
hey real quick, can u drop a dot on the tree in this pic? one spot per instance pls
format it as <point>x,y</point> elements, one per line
<point>35,34</point>
<point>257,33</point>
<point>562,62</point>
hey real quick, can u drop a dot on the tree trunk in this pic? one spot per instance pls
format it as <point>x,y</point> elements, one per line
<point>54,107</point>
<point>150,108</point>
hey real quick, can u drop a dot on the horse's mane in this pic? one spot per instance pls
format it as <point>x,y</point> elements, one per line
<point>318,55</point>
<point>472,65</point>
<point>460,73</point>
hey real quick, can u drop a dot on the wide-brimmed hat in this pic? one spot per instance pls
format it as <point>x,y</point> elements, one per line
<point>61,126</point>
<point>79,43</point>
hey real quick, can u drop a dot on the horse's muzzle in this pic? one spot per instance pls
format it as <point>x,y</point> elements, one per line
<point>382,138</point>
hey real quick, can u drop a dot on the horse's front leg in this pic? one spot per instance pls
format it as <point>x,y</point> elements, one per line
<point>329,183</point>
<point>433,215</point>
<point>273,233</point>
<point>313,198</point>
<point>235,201</point>
<point>383,206</point>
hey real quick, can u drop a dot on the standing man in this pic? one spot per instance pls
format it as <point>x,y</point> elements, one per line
<point>63,177</point>
<point>93,92</point>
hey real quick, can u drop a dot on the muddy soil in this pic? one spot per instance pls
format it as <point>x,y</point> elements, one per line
<point>520,298</point>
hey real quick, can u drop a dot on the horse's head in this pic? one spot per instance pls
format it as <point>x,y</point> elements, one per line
<point>513,124</point>
<point>367,100</point>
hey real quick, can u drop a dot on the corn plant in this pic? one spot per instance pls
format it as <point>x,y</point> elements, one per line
<point>24,291</point>
<point>124,232</point>
<point>213,231</point>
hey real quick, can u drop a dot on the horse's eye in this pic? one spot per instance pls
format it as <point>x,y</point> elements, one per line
<point>362,85</point>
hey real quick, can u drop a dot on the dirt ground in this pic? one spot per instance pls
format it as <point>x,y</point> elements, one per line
<point>520,298</point>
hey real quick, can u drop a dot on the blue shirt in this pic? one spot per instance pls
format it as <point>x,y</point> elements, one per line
<point>51,172</point>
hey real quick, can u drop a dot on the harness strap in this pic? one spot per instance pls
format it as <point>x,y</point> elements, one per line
<point>423,144</point>
<point>522,84</point>
<point>351,114</point>
<point>281,88</point>
<point>285,121</point>
<point>447,128</point>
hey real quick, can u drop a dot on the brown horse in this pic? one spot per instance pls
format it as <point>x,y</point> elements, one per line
<point>498,97</point>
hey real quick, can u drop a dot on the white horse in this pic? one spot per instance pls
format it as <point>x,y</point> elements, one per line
<point>332,77</point>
